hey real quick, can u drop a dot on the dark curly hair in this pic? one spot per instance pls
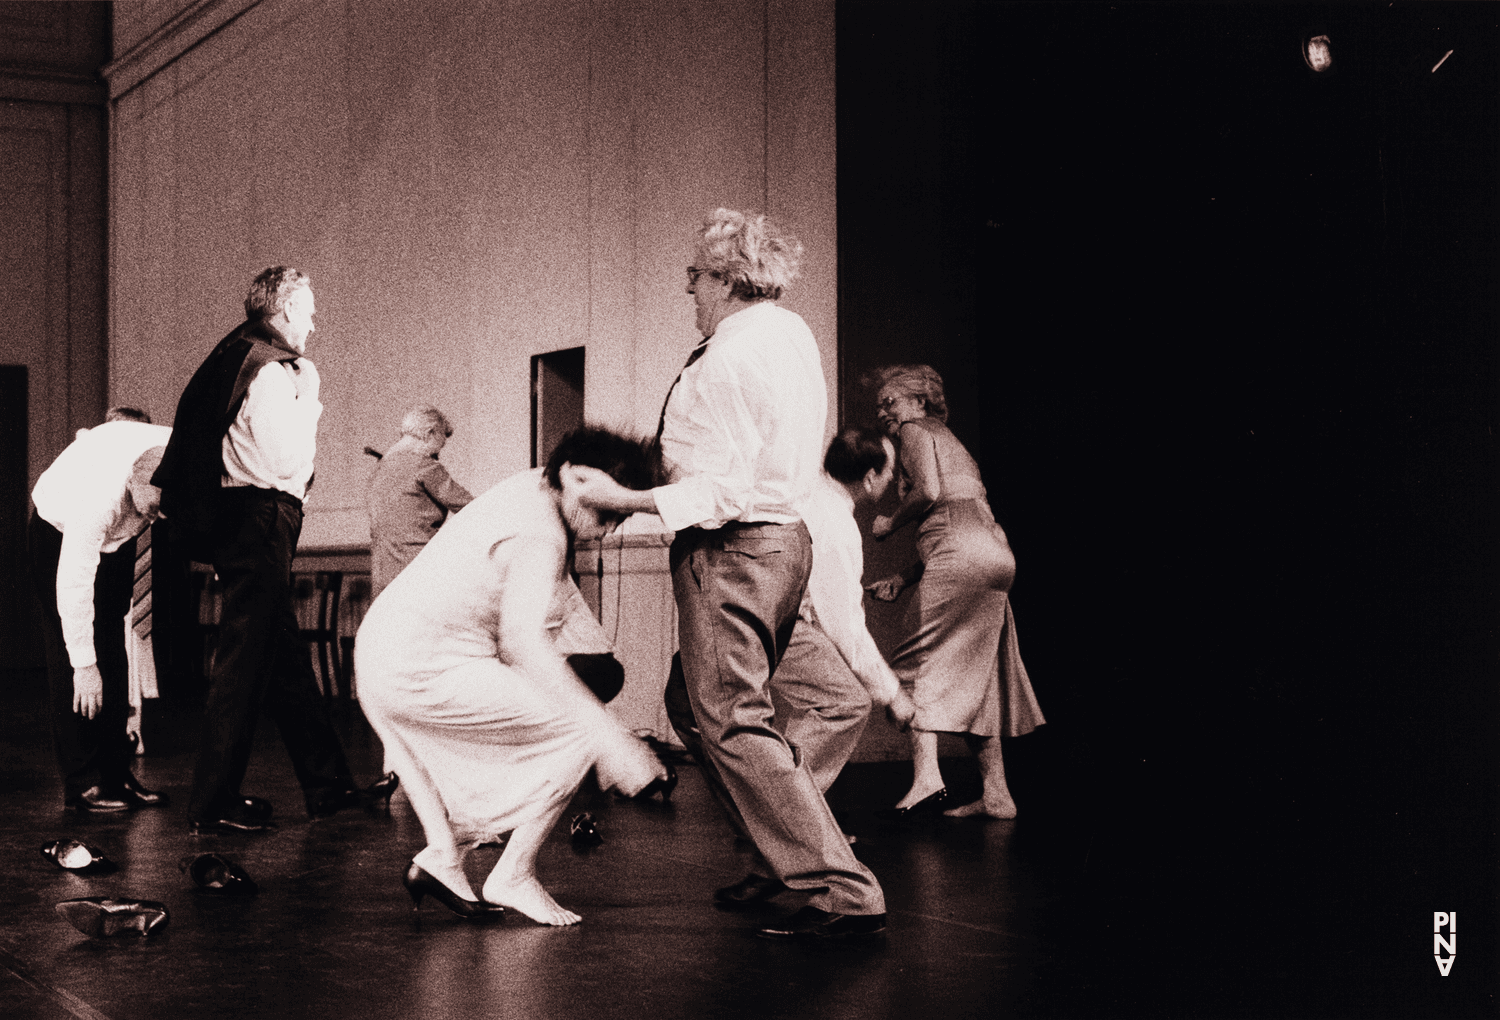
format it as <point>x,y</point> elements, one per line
<point>853,453</point>
<point>624,459</point>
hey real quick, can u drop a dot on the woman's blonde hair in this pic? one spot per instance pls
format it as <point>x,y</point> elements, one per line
<point>920,381</point>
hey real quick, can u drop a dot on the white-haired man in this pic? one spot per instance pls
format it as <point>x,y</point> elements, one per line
<point>411,494</point>
<point>741,444</point>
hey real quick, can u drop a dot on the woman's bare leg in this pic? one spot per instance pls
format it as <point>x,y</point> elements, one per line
<point>513,882</point>
<point>927,779</point>
<point>996,801</point>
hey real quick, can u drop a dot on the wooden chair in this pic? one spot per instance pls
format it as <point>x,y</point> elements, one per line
<point>324,588</point>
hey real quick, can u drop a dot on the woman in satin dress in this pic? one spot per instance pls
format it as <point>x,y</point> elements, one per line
<point>490,729</point>
<point>958,656</point>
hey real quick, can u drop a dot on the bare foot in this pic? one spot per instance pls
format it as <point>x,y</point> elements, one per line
<point>530,899</point>
<point>978,807</point>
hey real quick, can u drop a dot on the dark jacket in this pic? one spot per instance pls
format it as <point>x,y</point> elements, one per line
<point>192,468</point>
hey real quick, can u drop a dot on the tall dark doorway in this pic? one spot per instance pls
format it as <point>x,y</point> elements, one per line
<point>19,624</point>
<point>556,400</point>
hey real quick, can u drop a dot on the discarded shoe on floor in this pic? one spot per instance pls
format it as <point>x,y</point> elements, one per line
<point>216,874</point>
<point>79,858</point>
<point>98,917</point>
<point>584,830</point>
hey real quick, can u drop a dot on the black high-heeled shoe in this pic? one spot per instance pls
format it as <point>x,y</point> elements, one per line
<point>584,830</point>
<point>79,858</point>
<point>379,792</point>
<point>418,884</point>
<point>931,805</point>
<point>218,875</point>
<point>98,917</point>
<point>663,785</point>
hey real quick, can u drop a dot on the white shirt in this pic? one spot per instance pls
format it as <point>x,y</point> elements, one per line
<point>742,439</point>
<point>273,439</point>
<point>835,598</point>
<point>85,495</point>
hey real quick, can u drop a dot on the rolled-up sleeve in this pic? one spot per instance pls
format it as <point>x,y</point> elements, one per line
<point>838,604</point>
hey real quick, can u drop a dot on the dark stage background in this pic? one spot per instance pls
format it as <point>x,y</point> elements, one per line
<point>1221,332</point>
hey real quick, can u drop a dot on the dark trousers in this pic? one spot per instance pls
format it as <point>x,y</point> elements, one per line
<point>737,590</point>
<point>97,751</point>
<point>260,662</point>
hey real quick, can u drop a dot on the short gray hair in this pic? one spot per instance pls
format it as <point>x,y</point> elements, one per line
<point>270,290</point>
<point>421,422</point>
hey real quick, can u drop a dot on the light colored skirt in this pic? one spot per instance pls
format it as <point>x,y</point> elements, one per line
<point>480,748</point>
<point>960,660</point>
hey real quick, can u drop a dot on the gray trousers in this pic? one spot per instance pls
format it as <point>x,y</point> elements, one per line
<point>738,589</point>
<point>821,710</point>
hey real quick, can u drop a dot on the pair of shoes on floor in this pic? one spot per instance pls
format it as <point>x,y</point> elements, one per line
<point>926,807</point>
<point>748,891</point>
<point>331,803</point>
<point>813,925</point>
<point>100,917</point>
<point>217,875</point>
<point>419,883</point>
<point>79,858</point>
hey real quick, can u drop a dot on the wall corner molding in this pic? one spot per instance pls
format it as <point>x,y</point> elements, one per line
<point>42,86</point>
<point>172,39</point>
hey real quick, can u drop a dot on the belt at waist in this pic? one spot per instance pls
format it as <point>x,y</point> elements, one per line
<point>251,493</point>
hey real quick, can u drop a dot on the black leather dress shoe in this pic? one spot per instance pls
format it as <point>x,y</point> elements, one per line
<point>95,801</point>
<point>79,858</point>
<point>748,891</point>
<point>218,875</point>
<point>813,925</point>
<point>98,917</point>
<point>237,819</point>
<point>138,796</point>
<point>584,830</point>
<point>257,807</point>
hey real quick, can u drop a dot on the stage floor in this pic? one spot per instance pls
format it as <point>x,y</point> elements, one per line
<point>332,933</point>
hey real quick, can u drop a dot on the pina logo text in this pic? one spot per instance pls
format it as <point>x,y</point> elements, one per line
<point>1444,943</point>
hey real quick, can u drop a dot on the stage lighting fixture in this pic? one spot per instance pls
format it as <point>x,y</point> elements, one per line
<point>1318,53</point>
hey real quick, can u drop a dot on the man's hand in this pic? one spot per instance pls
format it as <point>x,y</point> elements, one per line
<point>880,528</point>
<point>305,377</point>
<point>901,711</point>
<point>593,488</point>
<point>887,588</point>
<point>88,691</point>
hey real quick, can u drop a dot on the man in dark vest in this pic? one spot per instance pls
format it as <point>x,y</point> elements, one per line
<point>233,478</point>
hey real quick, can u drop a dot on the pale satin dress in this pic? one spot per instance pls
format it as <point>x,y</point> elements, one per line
<point>959,658</point>
<point>480,747</point>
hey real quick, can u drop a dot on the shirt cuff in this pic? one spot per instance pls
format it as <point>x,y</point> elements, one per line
<point>685,504</point>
